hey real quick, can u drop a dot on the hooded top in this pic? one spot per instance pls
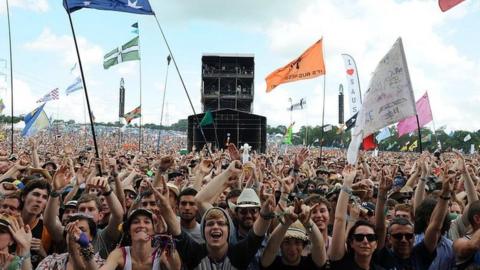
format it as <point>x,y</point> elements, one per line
<point>231,226</point>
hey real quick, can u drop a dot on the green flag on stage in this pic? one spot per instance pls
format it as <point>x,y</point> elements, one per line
<point>207,119</point>
<point>128,52</point>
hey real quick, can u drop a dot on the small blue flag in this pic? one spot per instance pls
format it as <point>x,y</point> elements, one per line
<point>76,85</point>
<point>35,121</point>
<point>384,133</point>
<point>130,6</point>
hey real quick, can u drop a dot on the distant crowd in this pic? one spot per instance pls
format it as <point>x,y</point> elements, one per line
<point>61,207</point>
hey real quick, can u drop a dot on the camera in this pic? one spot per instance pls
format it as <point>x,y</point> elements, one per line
<point>432,183</point>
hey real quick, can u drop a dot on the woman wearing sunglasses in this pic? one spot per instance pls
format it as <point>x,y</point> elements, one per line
<point>361,240</point>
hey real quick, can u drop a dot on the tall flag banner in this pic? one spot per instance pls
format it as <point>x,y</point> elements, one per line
<point>353,84</point>
<point>128,52</point>
<point>121,105</point>
<point>288,136</point>
<point>448,4</point>
<point>327,128</point>
<point>35,121</point>
<point>389,98</point>
<point>424,113</point>
<point>135,29</point>
<point>136,113</point>
<point>472,149</point>
<point>413,146</point>
<point>50,96</point>
<point>207,119</point>
<point>384,133</point>
<point>307,66</point>
<point>75,86</point>
<point>467,138</point>
<point>130,6</point>
<point>2,105</point>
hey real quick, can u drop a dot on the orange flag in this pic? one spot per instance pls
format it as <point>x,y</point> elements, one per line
<point>308,65</point>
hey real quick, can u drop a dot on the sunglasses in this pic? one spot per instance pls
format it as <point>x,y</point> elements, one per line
<point>400,236</point>
<point>245,211</point>
<point>359,237</point>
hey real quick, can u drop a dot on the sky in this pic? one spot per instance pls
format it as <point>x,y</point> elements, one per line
<point>441,50</point>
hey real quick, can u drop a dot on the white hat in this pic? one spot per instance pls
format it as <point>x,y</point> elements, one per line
<point>248,198</point>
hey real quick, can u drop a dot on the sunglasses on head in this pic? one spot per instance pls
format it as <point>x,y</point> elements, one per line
<point>400,236</point>
<point>359,237</point>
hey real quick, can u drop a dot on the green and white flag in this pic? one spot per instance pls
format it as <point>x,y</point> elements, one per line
<point>128,52</point>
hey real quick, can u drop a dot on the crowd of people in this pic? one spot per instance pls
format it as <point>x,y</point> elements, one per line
<point>61,207</point>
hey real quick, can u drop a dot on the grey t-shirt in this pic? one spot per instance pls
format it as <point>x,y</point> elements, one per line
<point>103,244</point>
<point>195,233</point>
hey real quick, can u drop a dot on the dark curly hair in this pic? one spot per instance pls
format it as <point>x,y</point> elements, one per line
<point>422,216</point>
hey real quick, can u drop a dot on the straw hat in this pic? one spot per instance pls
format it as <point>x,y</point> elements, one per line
<point>297,231</point>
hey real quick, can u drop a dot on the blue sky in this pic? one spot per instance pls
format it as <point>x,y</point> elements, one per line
<point>441,49</point>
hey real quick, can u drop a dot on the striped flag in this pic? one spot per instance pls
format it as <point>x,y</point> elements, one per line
<point>128,52</point>
<point>50,96</point>
<point>76,85</point>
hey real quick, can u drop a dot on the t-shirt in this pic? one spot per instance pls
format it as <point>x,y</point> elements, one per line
<point>306,262</point>
<point>419,259</point>
<point>195,233</point>
<point>348,263</point>
<point>195,255</point>
<point>104,244</point>
<point>40,232</point>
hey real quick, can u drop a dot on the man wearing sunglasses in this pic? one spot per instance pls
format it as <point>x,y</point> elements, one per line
<point>403,254</point>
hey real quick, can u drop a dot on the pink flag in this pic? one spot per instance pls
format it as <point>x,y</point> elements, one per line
<point>448,4</point>
<point>424,113</point>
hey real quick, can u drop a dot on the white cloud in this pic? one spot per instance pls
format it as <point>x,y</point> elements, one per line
<point>33,5</point>
<point>48,41</point>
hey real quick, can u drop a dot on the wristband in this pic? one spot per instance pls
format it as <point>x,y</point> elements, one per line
<point>83,240</point>
<point>106,194</point>
<point>347,190</point>
<point>268,216</point>
<point>54,194</point>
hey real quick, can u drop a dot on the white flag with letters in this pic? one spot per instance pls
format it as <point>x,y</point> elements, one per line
<point>389,98</point>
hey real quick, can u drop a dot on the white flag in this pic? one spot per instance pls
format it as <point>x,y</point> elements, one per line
<point>467,138</point>
<point>472,149</point>
<point>389,98</point>
<point>354,95</point>
<point>327,128</point>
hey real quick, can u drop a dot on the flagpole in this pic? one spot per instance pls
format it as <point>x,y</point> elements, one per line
<point>11,78</point>
<point>140,135</point>
<point>419,135</point>
<point>85,89</point>
<point>323,119</point>
<point>163,105</point>
<point>181,80</point>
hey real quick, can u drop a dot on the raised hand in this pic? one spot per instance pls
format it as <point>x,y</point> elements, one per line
<point>349,173</point>
<point>300,158</point>
<point>289,215</point>
<point>287,184</point>
<point>386,182</point>
<point>165,163</point>
<point>160,193</point>
<point>268,200</point>
<point>21,233</point>
<point>205,166</point>
<point>61,178</point>
<point>235,167</point>
<point>233,151</point>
